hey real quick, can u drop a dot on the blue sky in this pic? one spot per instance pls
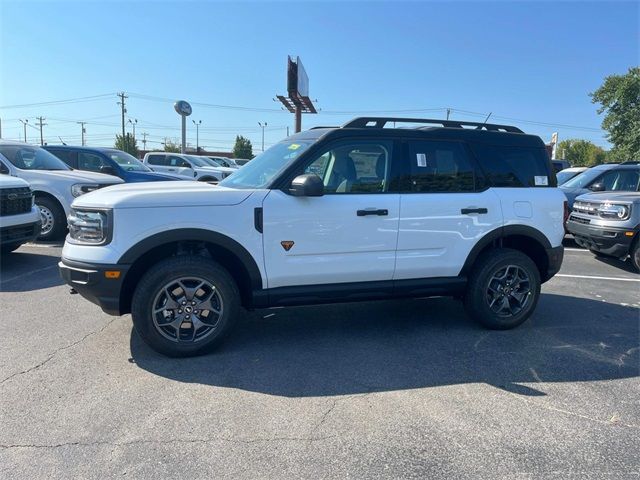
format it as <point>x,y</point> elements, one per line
<point>530,61</point>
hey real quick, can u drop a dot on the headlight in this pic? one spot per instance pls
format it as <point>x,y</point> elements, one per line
<point>82,188</point>
<point>610,210</point>
<point>89,226</point>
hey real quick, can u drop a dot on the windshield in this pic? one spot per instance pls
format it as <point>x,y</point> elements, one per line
<point>259,171</point>
<point>584,179</point>
<point>26,157</point>
<point>127,162</point>
<point>198,161</point>
<point>211,162</point>
<point>566,175</point>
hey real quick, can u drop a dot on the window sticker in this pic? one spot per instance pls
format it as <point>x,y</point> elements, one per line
<point>294,146</point>
<point>421,159</point>
<point>541,180</point>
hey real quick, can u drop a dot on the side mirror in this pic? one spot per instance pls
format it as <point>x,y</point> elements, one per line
<point>308,185</point>
<point>597,187</point>
<point>107,169</point>
<point>185,165</point>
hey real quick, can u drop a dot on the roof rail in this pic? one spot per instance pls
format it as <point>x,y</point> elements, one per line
<point>631,162</point>
<point>321,126</point>
<point>380,122</point>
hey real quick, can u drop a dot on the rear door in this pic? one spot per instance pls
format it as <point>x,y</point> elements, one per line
<point>158,162</point>
<point>444,209</point>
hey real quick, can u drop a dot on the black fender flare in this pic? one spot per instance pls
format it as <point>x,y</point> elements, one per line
<point>196,234</point>
<point>499,233</point>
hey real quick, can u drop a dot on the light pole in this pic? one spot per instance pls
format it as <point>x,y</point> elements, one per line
<point>197,124</point>
<point>24,123</point>
<point>262,126</point>
<point>135,121</point>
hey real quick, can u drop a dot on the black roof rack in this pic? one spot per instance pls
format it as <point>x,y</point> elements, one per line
<point>321,127</point>
<point>631,162</point>
<point>380,122</point>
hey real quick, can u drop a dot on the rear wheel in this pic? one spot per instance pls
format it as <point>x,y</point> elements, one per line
<point>184,306</point>
<point>503,289</point>
<point>53,219</point>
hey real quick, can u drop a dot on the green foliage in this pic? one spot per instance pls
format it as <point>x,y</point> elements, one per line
<point>242,148</point>
<point>619,99</point>
<point>581,153</point>
<point>172,147</point>
<point>127,144</point>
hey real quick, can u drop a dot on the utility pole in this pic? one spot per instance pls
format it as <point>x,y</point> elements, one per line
<point>24,124</point>
<point>262,127</point>
<point>287,130</point>
<point>135,121</point>
<point>123,109</point>
<point>144,141</point>
<point>40,124</point>
<point>83,131</point>
<point>448,112</point>
<point>197,124</point>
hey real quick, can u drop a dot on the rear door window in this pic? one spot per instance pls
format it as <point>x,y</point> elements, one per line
<point>160,160</point>
<point>67,156</point>
<point>515,166</point>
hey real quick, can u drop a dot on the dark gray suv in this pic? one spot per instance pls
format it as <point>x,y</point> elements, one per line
<point>610,177</point>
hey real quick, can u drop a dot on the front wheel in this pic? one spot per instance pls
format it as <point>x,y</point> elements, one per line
<point>184,306</point>
<point>635,254</point>
<point>503,289</point>
<point>53,220</point>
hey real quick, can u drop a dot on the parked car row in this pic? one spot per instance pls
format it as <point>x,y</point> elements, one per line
<point>51,177</point>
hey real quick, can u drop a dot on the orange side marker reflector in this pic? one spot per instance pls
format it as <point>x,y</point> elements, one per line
<point>629,234</point>
<point>112,274</point>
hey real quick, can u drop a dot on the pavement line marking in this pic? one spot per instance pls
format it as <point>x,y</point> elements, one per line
<point>577,250</point>
<point>598,278</point>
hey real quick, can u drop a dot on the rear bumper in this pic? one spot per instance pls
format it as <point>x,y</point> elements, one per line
<point>20,233</point>
<point>608,240</point>
<point>89,280</point>
<point>555,255</point>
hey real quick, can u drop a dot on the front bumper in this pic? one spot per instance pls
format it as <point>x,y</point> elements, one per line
<point>20,233</point>
<point>90,281</point>
<point>608,240</point>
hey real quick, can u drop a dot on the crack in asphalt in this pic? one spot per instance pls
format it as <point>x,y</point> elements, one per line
<point>55,352</point>
<point>162,442</point>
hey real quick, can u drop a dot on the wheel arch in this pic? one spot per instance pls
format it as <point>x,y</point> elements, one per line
<point>524,238</point>
<point>43,193</point>
<point>221,248</point>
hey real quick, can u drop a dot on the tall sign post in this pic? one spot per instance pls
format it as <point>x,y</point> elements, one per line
<point>297,101</point>
<point>184,110</point>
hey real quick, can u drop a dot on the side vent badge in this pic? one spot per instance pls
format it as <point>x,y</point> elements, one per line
<point>287,244</point>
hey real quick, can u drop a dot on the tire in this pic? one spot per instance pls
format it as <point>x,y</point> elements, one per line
<point>167,331</point>
<point>4,249</point>
<point>634,254</point>
<point>208,179</point>
<point>54,222</point>
<point>600,254</point>
<point>496,272</point>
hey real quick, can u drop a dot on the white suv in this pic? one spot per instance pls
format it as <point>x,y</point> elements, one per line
<point>189,167</point>
<point>54,184</point>
<point>19,217</point>
<point>327,215</point>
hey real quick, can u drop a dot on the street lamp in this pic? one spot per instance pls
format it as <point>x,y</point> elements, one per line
<point>134,122</point>
<point>24,123</point>
<point>262,126</point>
<point>197,124</point>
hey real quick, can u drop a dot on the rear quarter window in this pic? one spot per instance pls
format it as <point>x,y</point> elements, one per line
<point>515,166</point>
<point>157,160</point>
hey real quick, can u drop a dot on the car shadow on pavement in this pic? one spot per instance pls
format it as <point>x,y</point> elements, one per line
<point>398,345</point>
<point>24,272</point>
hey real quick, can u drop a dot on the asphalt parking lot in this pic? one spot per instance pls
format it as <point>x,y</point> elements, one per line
<point>409,389</point>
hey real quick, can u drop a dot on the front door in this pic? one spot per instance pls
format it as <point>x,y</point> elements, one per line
<point>445,209</point>
<point>347,235</point>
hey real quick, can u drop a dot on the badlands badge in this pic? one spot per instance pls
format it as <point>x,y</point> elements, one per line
<point>287,244</point>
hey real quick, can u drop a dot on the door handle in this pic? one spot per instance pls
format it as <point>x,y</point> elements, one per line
<point>373,211</point>
<point>467,211</point>
<point>172,169</point>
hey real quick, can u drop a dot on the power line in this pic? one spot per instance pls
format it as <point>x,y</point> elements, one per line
<point>58,102</point>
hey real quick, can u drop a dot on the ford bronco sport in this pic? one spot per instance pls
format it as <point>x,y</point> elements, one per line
<point>328,215</point>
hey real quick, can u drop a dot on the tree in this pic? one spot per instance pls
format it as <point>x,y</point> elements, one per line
<point>127,144</point>
<point>242,148</point>
<point>581,153</point>
<point>619,99</point>
<point>172,147</point>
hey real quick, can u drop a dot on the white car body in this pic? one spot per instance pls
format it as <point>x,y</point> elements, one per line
<point>17,228</point>
<point>183,165</point>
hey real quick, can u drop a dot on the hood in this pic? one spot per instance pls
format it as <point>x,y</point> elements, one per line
<point>75,176</point>
<point>150,177</point>
<point>612,197</point>
<point>7,181</point>
<point>162,194</point>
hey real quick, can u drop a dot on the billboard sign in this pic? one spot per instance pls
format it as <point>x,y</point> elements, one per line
<point>297,79</point>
